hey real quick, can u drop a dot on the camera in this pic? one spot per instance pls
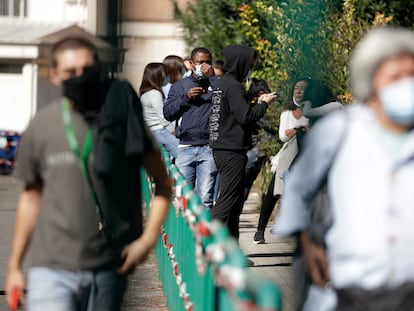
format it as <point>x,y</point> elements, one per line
<point>204,83</point>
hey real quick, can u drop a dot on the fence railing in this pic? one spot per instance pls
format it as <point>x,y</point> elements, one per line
<point>201,266</point>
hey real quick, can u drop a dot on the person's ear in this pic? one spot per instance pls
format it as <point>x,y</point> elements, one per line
<point>54,77</point>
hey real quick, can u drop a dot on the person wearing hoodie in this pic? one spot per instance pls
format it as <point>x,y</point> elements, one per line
<point>230,136</point>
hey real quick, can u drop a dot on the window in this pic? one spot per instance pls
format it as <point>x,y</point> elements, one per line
<point>13,7</point>
<point>11,68</point>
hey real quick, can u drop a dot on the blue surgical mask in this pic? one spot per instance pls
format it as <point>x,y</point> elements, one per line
<point>198,71</point>
<point>398,101</point>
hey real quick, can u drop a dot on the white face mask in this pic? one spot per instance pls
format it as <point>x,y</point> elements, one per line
<point>295,102</point>
<point>397,101</point>
<point>198,71</point>
<point>187,74</point>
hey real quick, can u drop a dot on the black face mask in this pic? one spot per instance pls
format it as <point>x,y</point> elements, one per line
<point>85,90</point>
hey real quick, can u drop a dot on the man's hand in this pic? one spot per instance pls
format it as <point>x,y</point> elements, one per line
<point>15,282</point>
<point>134,254</point>
<point>267,98</point>
<point>28,208</point>
<point>195,92</point>
<point>206,69</point>
<point>316,263</point>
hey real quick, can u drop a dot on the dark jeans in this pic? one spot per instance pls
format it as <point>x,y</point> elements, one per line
<point>253,167</point>
<point>229,205</point>
<point>382,299</point>
<point>268,204</point>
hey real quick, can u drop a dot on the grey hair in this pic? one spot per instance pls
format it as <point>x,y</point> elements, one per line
<point>376,47</point>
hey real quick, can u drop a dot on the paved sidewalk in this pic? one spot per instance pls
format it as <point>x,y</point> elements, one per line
<point>272,259</point>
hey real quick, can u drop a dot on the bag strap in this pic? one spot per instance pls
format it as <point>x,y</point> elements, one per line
<point>82,156</point>
<point>341,139</point>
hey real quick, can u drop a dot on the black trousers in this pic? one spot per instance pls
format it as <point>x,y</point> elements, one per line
<point>251,175</point>
<point>229,204</point>
<point>268,204</point>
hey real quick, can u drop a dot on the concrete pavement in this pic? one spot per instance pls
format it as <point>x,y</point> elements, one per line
<point>273,259</point>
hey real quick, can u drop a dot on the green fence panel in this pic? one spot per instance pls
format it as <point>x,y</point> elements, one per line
<point>201,267</point>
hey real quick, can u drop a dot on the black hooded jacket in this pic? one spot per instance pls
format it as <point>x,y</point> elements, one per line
<point>232,115</point>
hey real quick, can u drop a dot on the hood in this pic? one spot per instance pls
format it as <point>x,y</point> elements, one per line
<point>237,60</point>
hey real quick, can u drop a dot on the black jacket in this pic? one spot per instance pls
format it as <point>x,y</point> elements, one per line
<point>232,115</point>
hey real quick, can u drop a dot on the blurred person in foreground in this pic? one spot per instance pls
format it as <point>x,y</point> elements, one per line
<point>230,136</point>
<point>369,258</point>
<point>79,216</point>
<point>318,101</point>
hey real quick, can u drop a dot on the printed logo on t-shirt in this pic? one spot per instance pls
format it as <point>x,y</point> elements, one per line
<point>215,115</point>
<point>60,158</point>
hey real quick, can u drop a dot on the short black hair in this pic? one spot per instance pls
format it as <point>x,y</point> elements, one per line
<point>200,50</point>
<point>219,64</point>
<point>256,86</point>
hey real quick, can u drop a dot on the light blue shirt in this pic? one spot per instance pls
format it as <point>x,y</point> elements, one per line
<point>371,241</point>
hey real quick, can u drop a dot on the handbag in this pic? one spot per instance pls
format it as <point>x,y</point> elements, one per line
<point>284,159</point>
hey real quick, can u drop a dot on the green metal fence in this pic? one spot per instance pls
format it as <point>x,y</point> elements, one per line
<point>201,266</point>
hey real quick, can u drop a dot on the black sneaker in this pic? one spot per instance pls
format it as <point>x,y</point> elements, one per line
<point>259,237</point>
<point>250,263</point>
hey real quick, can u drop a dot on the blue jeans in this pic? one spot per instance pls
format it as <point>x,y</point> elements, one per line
<point>61,290</point>
<point>198,167</point>
<point>169,141</point>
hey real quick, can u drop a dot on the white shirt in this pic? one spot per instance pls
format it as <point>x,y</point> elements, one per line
<point>288,121</point>
<point>371,241</point>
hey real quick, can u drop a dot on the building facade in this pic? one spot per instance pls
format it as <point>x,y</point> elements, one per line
<point>141,31</point>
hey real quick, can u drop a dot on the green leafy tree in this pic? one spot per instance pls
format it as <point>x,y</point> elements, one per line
<point>210,23</point>
<point>294,38</point>
<point>400,10</point>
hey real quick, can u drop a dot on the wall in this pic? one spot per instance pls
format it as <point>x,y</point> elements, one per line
<point>17,99</point>
<point>149,33</point>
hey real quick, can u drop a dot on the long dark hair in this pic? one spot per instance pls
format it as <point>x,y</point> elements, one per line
<point>153,78</point>
<point>318,94</point>
<point>290,105</point>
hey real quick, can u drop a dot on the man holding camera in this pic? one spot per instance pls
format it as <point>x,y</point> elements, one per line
<point>189,101</point>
